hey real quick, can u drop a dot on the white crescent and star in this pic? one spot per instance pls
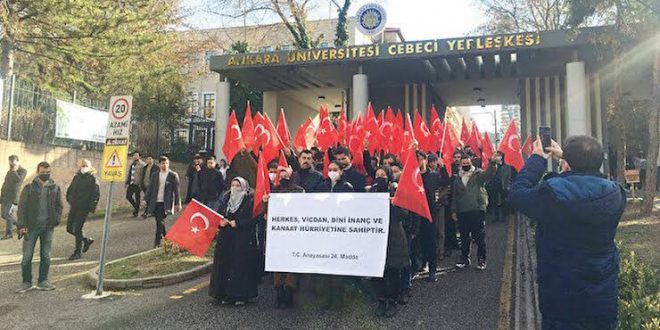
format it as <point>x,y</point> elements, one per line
<point>510,140</point>
<point>418,184</point>
<point>263,131</point>
<point>196,229</point>
<point>239,135</point>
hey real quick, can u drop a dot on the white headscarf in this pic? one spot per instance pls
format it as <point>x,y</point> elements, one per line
<point>236,197</point>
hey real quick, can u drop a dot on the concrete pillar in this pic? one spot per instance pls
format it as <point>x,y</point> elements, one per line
<point>406,98</point>
<point>528,107</point>
<point>557,112</point>
<point>360,94</point>
<point>270,104</point>
<point>415,105</point>
<point>599,111</point>
<point>221,115</point>
<point>576,100</point>
<point>424,110</point>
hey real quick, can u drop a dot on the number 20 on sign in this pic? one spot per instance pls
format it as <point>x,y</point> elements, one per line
<point>115,153</point>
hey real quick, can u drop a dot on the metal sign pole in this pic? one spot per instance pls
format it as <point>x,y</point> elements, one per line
<point>104,243</point>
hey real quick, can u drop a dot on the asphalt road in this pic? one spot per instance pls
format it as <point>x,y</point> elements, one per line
<point>464,299</point>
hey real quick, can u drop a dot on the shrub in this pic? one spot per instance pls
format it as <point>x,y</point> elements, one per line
<point>639,298</point>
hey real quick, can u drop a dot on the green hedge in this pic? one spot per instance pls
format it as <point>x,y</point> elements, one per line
<point>639,297</point>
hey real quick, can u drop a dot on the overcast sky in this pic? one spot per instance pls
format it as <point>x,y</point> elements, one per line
<point>418,19</point>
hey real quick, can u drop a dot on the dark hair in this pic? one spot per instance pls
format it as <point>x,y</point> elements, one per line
<point>223,160</point>
<point>163,158</point>
<point>13,158</point>
<point>389,155</point>
<point>197,156</point>
<point>421,154</point>
<point>465,156</point>
<point>135,152</point>
<point>43,165</point>
<point>583,153</point>
<point>305,151</point>
<point>210,158</point>
<point>338,165</point>
<point>149,156</point>
<point>272,164</point>
<point>457,152</point>
<point>343,151</point>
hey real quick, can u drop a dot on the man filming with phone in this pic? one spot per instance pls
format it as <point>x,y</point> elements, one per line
<point>577,213</point>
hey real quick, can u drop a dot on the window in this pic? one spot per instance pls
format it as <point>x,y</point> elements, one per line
<point>182,135</point>
<point>193,104</point>
<point>209,105</point>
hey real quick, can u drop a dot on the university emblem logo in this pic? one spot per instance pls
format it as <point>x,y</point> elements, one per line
<point>371,19</point>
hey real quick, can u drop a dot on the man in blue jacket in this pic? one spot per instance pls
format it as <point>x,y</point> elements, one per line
<point>577,213</point>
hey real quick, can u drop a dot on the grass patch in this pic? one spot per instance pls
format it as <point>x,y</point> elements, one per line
<point>155,263</point>
<point>640,235</point>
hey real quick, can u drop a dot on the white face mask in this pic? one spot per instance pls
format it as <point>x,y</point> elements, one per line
<point>334,176</point>
<point>84,170</point>
<point>272,176</point>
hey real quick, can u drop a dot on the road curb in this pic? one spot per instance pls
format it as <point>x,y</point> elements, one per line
<point>147,282</point>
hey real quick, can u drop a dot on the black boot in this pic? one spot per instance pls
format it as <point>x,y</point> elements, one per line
<point>380,310</point>
<point>75,256</point>
<point>279,292</point>
<point>288,297</point>
<point>390,309</point>
<point>87,242</point>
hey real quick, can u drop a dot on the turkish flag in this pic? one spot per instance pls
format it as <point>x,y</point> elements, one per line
<point>474,140</point>
<point>465,134</point>
<point>422,133</point>
<point>195,228</point>
<point>527,147</point>
<point>356,146</point>
<point>233,138</point>
<point>410,194</point>
<point>436,130</point>
<point>342,125</point>
<point>372,130</point>
<point>326,163</point>
<point>448,148</point>
<point>487,152</point>
<point>326,134</point>
<point>300,142</point>
<point>281,162</point>
<point>261,188</point>
<point>271,142</point>
<point>510,146</point>
<point>283,129</point>
<point>248,130</point>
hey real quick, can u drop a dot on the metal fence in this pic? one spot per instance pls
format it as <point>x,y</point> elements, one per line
<point>28,114</point>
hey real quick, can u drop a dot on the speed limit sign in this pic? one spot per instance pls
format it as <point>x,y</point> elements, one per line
<point>120,117</point>
<point>115,153</point>
<point>120,108</point>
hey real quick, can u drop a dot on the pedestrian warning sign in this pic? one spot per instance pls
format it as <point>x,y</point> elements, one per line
<point>114,163</point>
<point>115,153</point>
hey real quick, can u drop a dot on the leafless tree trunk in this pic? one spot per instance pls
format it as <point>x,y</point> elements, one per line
<point>654,143</point>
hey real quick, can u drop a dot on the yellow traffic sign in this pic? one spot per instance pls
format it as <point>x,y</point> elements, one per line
<point>115,160</point>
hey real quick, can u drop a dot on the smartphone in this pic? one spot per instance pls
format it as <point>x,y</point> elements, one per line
<point>546,136</point>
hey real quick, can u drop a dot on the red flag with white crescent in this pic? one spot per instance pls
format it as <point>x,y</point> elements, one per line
<point>272,144</point>
<point>527,147</point>
<point>283,129</point>
<point>422,133</point>
<point>510,146</point>
<point>195,228</point>
<point>487,150</point>
<point>233,138</point>
<point>248,130</point>
<point>410,194</point>
<point>262,187</point>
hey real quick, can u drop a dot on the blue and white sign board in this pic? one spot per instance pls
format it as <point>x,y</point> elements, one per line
<point>371,19</point>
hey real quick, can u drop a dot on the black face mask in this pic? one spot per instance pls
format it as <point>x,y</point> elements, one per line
<point>466,168</point>
<point>380,185</point>
<point>44,177</point>
<point>285,182</point>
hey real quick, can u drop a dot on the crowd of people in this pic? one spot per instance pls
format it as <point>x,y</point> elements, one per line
<point>565,206</point>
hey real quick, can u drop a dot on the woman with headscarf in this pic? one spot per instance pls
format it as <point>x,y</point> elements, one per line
<point>235,274</point>
<point>336,181</point>
<point>390,286</point>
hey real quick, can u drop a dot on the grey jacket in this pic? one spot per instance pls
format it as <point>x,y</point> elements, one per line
<point>138,172</point>
<point>12,185</point>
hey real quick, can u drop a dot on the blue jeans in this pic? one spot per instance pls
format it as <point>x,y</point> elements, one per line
<point>45,236</point>
<point>11,221</point>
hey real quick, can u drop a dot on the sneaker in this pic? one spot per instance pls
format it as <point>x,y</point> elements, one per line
<point>144,215</point>
<point>463,263</point>
<point>432,278</point>
<point>86,244</point>
<point>380,310</point>
<point>6,237</point>
<point>45,286</point>
<point>390,309</point>
<point>239,303</point>
<point>135,214</point>
<point>74,256</point>
<point>481,264</point>
<point>25,287</point>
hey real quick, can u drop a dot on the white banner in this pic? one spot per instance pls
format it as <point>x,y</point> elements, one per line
<point>322,233</point>
<point>80,123</point>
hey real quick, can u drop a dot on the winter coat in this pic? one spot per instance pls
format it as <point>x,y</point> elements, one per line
<point>578,263</point>
<point>83,193</point>
<point>147,176</point>
<point>235,272</point>
<point>341,186</point>
<point>473,196</point>
<point>12,186</point>
<point>28,204</point>
<point>138,167</point>
<point>311,180</point>
<point>355,178</point>
<point>171,192</point>
<point>212,184</point>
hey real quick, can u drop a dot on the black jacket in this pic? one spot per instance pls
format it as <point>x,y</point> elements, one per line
<point>154,169</point>
<point>12,185</point>
<point>212,184</point>
<point>341,186</point>
<point>28,204</point>
<point>311,180</point>
<point>434,182</point>
<point>83,193</point>
<point>171,192</point>
<point>355,178</point>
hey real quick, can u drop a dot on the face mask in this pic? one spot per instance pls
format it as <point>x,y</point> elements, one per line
<point>284,182</point>
<point>272,176</point>
<point>334,176</point>
<point>235,190</point>
<point>466,168</point>
<point>44,177</point>
<point>84,170</point>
